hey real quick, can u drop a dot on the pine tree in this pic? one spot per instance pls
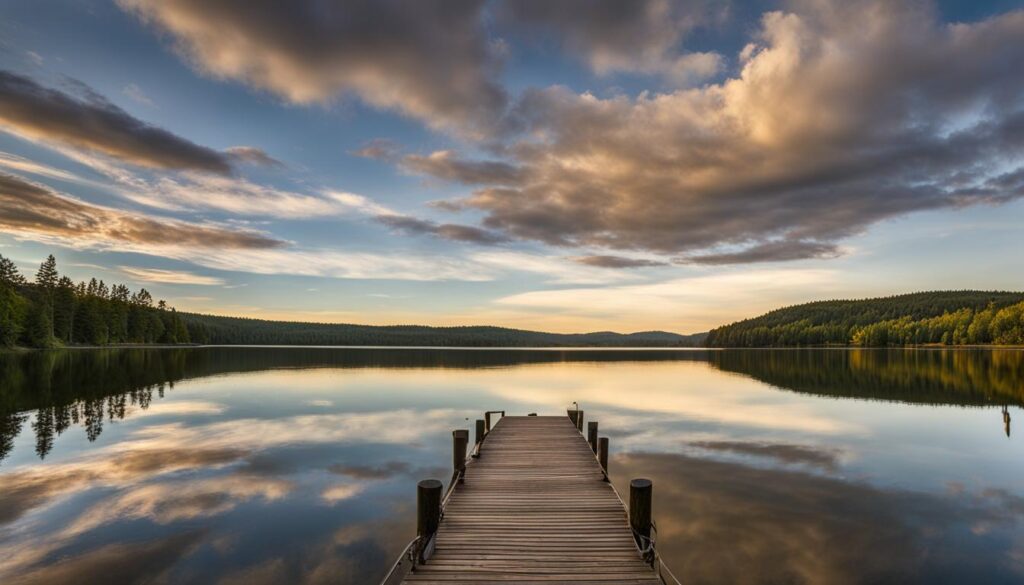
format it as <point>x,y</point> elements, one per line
<point>64,304</point>
<point>9,273</point>
<point>47,276</point>
<point>46,280</point>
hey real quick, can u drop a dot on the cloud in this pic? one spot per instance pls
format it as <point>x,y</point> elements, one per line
<point>170,276</point>
<point>723,522</point>
<point>21,164</point>
<point>135,92</point>
<point>443,164</point>
<point>92,123</point>
<point>605,261</point>
<point>34,211</point>
<point>254,156</point>
<point>138,562</point>
<point>842,115</point>
<point>772,251</point>
<point>379,149</point>
<point>389,469</point>
<point>704,298</point>
<point>448,231</point>
<point>35,58</point>
<point>610,36</point>
<point>341,492</point>
<point>826,459</point>
<point>197,191</point>
<point>431,61</point>
<point>558,270</point>
<point>31,488</point>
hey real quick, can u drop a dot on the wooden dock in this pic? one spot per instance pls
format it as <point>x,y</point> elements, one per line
<point>534,508</point>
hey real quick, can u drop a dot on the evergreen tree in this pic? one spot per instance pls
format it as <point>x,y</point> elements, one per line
<point>9,273</point>
<point>64,304</point>
<point>46,281</point>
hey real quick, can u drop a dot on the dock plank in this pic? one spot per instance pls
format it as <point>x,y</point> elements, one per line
<point>534,509</point>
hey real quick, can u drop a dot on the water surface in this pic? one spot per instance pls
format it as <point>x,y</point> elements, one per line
<point>299,465</point>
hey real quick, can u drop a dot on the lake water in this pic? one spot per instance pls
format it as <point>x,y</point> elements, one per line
<point>299,465</point>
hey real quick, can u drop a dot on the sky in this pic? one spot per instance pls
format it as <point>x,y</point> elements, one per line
<point>563,166</point>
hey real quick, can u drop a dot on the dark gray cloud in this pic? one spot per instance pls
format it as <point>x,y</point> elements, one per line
<point>447,231</point>
<point>443,164</point>
<point>827,459</point>
<point>605,261</point>
<point>255,156</point>
<point>33,210</point>
<point>774,251</point>
<point>430,59</point>
<point>640,36</point>
<point>803,147</point>
<point>94,124</point>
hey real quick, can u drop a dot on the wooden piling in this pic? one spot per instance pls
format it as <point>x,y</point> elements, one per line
<point>523,517</point>
<point>428,509</point>
<point>573,416</point>
<point>640,493</point>
<point>592,435</point>
<point>460,439</point>
<point>487,422</point>
<point>602,454</point>
<point>579,421</point>
<point>480,432</point>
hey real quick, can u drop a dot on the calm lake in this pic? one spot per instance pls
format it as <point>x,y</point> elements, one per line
<point>299,465</point>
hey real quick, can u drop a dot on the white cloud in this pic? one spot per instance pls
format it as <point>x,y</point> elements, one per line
<point>135,92</point>
<point>701,301</point>
<point>170,276</point>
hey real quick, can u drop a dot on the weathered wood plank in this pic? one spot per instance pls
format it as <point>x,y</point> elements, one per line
<point>534,509</point>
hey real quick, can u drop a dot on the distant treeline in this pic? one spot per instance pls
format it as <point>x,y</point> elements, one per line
<point>52,310</point>
<point>944,317</point>
<point>240,331</point>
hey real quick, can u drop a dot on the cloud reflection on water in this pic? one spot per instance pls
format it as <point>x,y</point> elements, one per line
<point>727,522</point>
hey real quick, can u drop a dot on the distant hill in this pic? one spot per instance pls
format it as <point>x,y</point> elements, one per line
<point>942,317</point>
<point>241,331</point>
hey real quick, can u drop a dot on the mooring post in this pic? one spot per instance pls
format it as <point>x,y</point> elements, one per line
<point>602,454</point>
<point>592,435</point>
<point>572,415</point>
<point>640,492</point>
<point>460,438</point>
<point>428,511</point>
<point>579,421</point>
<point>479,431</point>
<point>487,422</point>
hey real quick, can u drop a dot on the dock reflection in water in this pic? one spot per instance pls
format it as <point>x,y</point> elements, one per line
<point>288,465</point>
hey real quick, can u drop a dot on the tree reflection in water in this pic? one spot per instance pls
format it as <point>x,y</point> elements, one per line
<point>86,387</point>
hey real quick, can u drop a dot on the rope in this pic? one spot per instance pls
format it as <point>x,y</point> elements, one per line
<point>413,550</point>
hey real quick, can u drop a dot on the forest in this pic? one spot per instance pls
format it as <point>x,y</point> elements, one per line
<point>53,311</point>
<point>236,330</point>
<point>939,318</point>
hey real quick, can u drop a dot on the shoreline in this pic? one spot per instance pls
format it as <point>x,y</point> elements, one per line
<point>931,346</point>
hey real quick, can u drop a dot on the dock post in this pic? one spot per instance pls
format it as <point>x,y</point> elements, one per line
<point>602,454</point>
<point>479,431</point>
<point>428,511</point>
<point>487,422</point>
<point>579,421</point>
<point>592,435</point>
<point>573,416</point>
<point>460,439</point>
<point>640,492</point>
